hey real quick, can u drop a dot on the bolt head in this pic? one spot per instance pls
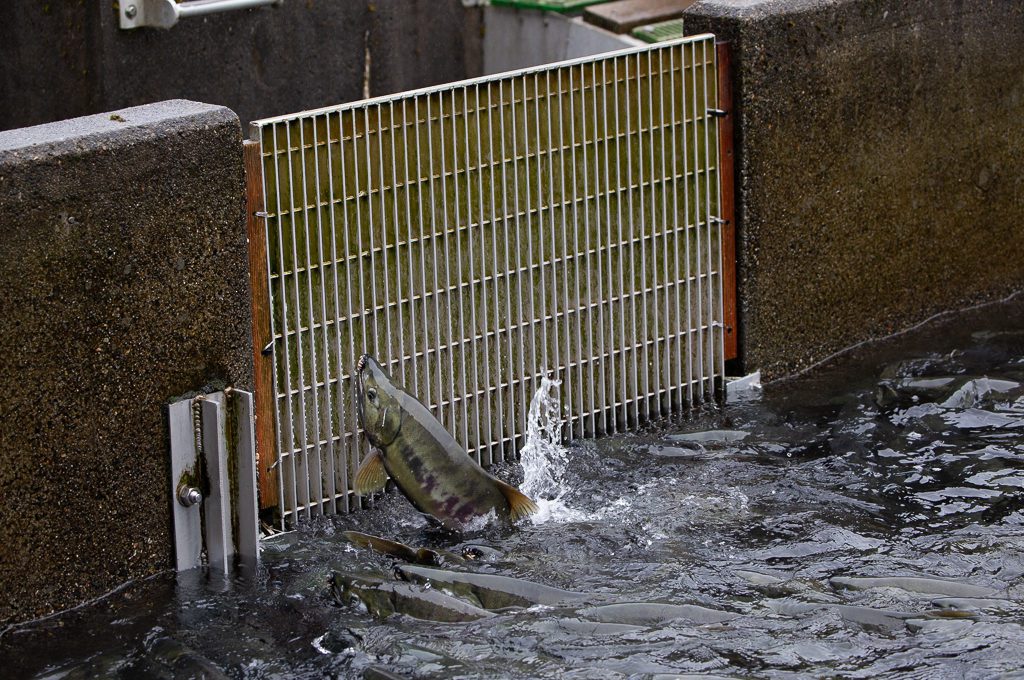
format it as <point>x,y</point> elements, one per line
<point>189,496</point>
<point>130,11</point>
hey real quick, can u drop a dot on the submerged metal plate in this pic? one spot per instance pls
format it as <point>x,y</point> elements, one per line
<point>561,220</point>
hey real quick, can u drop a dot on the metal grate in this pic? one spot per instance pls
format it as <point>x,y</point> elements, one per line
<point>479,235</point>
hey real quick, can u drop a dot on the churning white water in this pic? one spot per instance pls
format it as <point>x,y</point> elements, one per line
<point>544,459</point>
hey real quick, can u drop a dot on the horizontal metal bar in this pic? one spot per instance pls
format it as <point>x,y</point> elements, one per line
<point>447,87</point>
<point>166,13</point>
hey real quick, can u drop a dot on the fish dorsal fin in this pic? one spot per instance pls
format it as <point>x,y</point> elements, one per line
<point>519,504</point>
<point>371,475</point>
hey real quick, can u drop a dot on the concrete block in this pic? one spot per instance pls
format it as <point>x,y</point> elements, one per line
<point>879,148</point>
<point>123,262</point>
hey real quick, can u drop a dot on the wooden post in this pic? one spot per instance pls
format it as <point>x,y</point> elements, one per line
<point>726,174</point>
<point>263,389</point>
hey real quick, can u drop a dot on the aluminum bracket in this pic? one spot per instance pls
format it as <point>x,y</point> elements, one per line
<point>166,13</point>
<point>213,480</point>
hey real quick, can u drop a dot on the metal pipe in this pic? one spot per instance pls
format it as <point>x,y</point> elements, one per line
<point>166,13</point>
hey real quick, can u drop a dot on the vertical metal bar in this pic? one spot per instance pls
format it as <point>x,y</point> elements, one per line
<point>460,278</point>
<point>640,283</point>
<point>313,470</point>
<point>529,254</point>
<point>471,444</point>
<point>711,345</point>
<point>486,446</point>
<point>655,330</point>
<point>278,350</point>
<point>605,422</point>
<point>217,503</point>
<point>446,231</point>
<point>503,418</point>
<point>666,124</point>
<point>541,291</point>
<point>725,224</point>
<point>245,507</point>
<point>696,224</point>
<point>342,448</point>
<point>360,317</point>
<point>437,264</point>
<point>295,441</point>
<point>573,383</point>
<point>514,370</point>
<point>685,155</point>
<point>615,285</point>
<point>423,253</point>
<point>398,239</point>
<point>554,323</point>
<point>302,448</point>
<point>580,305</point>
<point>329,496</point>
<point>410,247</point>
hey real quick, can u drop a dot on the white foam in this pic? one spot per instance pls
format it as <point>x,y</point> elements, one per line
<point>544,459</point>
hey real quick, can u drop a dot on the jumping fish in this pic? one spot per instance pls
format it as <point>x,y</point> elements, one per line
<point>424,460</point>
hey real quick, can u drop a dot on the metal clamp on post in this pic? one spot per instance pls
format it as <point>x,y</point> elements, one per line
<point>213,480</point>
<point>165,13</point>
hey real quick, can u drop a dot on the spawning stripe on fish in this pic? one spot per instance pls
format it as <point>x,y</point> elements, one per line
<point>863,521</point>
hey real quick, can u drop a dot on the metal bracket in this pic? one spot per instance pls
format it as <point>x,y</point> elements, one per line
<point>165,13</point>
<point>213,480</point>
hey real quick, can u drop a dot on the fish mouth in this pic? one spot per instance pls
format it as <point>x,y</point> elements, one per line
<point>361,362</point>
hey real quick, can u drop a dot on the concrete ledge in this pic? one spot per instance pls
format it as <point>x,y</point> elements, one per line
<point>124,265</point>
<point>879,173</point>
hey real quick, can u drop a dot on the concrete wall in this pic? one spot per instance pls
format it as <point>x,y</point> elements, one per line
<point>124,267</point>
<point>880,180</point>
<point>60,59</point>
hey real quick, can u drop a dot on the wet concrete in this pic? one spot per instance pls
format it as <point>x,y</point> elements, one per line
<point>123,263</point>
<point>878,165</point>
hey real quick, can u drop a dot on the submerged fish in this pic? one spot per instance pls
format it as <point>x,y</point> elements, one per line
<point>424,460</point>
<point>385,598</point>
<point>490,590</point>
<point>399,550</point>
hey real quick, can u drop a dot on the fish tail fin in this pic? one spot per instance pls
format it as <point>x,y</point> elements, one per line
<point>371,475</point>
<point>519,504</point>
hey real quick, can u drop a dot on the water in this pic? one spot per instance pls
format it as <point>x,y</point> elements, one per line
<point>902,460</point>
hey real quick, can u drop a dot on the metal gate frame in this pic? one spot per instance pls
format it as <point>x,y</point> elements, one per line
<point>257,225</point>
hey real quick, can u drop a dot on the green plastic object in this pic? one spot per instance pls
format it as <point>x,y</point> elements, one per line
<point>549,5</point>
<point>666,30</point>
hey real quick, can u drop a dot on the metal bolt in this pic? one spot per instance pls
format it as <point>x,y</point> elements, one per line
<point>130,11</point>
<point>189,496</point>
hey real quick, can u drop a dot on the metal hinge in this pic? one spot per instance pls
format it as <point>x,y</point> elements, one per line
<point>213,480</point>
<point>165,13</point>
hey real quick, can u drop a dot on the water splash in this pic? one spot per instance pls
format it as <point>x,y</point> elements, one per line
<point>544,459</point>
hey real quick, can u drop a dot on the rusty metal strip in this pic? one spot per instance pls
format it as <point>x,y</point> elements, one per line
<point>727,178</point>
<point>263,391</point>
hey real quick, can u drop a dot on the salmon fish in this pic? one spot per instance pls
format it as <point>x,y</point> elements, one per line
<point>429,467</point>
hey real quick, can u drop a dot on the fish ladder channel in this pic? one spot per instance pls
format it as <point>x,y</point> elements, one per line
<point>560,222</point>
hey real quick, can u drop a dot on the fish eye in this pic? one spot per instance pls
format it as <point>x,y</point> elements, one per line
<point>371,394</point>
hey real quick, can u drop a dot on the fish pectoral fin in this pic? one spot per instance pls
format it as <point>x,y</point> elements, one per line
<point>519,504</point>
<point>371,475</point>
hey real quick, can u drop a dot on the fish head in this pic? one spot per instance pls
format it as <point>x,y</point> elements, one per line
<point>378,402</point>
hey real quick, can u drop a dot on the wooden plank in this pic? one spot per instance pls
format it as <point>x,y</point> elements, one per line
<point>727,179</point>
<point>263,388</point>
<point>625,15</point>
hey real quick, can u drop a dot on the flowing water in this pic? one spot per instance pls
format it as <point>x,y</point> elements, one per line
<point>864,520</point>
